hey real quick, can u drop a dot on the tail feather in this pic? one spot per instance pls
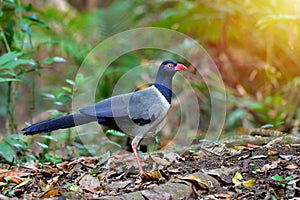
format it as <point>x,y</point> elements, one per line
<point>62,122</point>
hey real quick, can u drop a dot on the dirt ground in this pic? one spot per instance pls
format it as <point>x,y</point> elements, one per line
<point>238,172</point>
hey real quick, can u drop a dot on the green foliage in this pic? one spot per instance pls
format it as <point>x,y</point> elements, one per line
<point>61,96</point>
<point>252,42</point>
<point>254,45</point>
<point>11,145</point>
<point>115,133</point>
<point>18,56</point>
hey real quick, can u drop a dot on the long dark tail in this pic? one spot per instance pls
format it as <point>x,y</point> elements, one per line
<point>62,122</point>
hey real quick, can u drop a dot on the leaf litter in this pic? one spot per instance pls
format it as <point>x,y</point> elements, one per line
<point>252,172</point>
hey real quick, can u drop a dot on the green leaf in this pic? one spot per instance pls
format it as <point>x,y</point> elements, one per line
<point>277,178</point>
<point>58,59</point>
<point>7,152</point>
<point>49,96</point>
<point>42,145</point>
<point>64,99</point>
<point>24,25</point>
<point>267,126</point>
<point>52,158</point>
<point>70,82</point>
<point>9,79</point>
<point>35,18</point>
<point>114,143</point>
<point>49,137</point>
<point>94,171</point>
<point>48,61</point>
<point>67,89</point>
<point>58,103</point>
<point>8,57</point>
<point>237,178</point>
<point>16,141</point>
<point>115,133</point>
<point>234,116</point>
<point>52,60</point>
<point>288,178</point>
<point>11,65</point>
<point>3,184</point>
<point>157,140</point>
<point>23,183</point>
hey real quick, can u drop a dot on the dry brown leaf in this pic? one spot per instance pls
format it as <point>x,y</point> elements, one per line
<point>292,166</point>
<point>160,161</point>
<point>253,146</point>
<point>223,196</point>
<point>272,152</point>
<point>90,190</point>
<point>16,180</point>
<point>65,166</point>
<point>89,181</point>
<point>151,176</point>
<point>238,147</point>
<point>196,179</point>
<point>119,184</point>
<point>225,174</point>
<point>50,193</point>
<point>53,182</point>
<point>13,176</point>
<point>5,174</point>
<point>273,165</point>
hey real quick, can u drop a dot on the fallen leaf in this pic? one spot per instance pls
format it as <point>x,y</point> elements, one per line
<point>249,183</point>
<point>119,184</point>
<point>53,182</point>
<point>272,152</point>
<point>17,174</point>
<point>50,193</point>
<point>90,190</point>
<point>23,183</point>
<point>277,178</point>
<point>73,188</point>
<point>258,157</point>
<point>225,174</point>
<point>289,178</point>
<point>292,166</point>
<point>160,161</point>
<point>237,178</point>
<point>238,147</point>
<point>287,157</point>
<point>253,146</point>
<point>223,196</point>
<point>267,167</point>
<point>201,181</point>
<point>151,176</point>
<point>89,181</point>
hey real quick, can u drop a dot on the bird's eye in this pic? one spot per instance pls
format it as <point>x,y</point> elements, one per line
<point>169,65</point>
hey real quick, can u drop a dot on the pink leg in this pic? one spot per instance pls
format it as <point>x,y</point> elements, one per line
<point>136,155</point>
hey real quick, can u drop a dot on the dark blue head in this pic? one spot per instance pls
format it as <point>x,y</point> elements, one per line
<point>167,70</point>
<point>171,66</point>
<point>164,77</point>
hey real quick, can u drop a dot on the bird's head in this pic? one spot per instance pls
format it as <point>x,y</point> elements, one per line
<point>166,71</point>
<point>170,67</point>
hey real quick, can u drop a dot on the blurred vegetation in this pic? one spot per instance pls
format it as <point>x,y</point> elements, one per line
<point>42,44</point>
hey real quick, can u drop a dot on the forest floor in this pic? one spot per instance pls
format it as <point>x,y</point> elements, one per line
<point>206,171</point>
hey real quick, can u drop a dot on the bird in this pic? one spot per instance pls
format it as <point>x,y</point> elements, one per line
<point>136,113</point>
